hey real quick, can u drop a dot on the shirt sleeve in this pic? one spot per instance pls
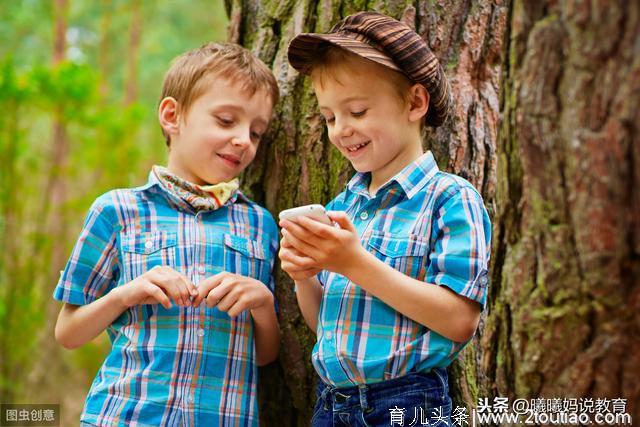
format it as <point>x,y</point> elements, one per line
<point>460,254</point>
<point>92,268</point>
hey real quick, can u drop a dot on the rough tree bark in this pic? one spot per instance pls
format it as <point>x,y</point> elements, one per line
<point>565,313</point>
<point>545,122</point>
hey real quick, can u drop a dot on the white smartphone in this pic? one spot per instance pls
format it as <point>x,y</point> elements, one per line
<point>316,212</point>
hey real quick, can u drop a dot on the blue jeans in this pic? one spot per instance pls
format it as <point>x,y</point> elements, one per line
<point>417,398</point>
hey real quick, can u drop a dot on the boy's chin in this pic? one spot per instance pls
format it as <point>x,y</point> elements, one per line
<point>217,179</point>
<point>361,168</point>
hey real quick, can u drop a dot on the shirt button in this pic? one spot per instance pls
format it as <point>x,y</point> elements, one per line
<point>202,270</point>
<point>328,335</point>
<point>148,244</point>
<point>364,215</point>
<point>200,332</point>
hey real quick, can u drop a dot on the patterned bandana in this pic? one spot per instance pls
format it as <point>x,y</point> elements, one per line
<point>199,197</point>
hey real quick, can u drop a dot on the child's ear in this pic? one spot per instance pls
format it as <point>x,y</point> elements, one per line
<point>418,102</point>
<point>169,115</point>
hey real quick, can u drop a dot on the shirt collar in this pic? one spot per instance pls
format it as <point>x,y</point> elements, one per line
<point>154,185</point>
<point>411,179</point>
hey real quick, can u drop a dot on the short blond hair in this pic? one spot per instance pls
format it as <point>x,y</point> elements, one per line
<point>186,79</point>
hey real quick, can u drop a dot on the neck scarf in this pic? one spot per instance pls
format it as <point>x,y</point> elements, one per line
<point>199,197</point>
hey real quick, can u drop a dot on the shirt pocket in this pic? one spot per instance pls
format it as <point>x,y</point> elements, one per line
<point>246,257</point>
<point>407,254</point>
<point>140,253</point>
<point>144,251</point>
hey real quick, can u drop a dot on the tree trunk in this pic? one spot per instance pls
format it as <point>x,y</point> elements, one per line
<point>297,165</point>
<point>565,294</point>
<point>545,126</point>
<point>48,251</point>
<point>133,53</point>
<point>54,194</point>
<point>10,212</point>
<point>104,58</point>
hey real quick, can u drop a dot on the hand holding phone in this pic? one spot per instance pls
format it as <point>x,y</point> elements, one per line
<point>315,211</point>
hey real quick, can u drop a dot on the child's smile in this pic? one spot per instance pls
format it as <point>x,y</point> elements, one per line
<point>356,150</point>
<point>230,160</point>
<point>220,133</point>
<point>366,119</point>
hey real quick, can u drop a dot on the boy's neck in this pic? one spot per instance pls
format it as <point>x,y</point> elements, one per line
<point>381,176</point>
<point>183,174</point>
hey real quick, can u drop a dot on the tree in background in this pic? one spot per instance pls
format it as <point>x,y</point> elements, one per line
<point>79,87</point>
<point>545,126</point>
<point>547,107</point>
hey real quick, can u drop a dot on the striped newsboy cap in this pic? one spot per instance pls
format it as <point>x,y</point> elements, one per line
<point>388,42</point>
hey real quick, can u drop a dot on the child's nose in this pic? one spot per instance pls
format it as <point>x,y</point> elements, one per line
<point>342,129</point>
<point>242,139</point>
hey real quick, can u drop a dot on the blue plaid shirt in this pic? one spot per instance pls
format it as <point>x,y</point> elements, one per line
<point>181,366</point>
<point>429,225</point>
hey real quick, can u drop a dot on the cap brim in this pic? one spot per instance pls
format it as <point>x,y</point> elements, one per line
<point>303,49</point>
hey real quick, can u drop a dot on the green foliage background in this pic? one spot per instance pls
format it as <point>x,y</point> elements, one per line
<point>110,143</point>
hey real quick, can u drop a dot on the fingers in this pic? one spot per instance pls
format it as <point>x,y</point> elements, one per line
<point>296,265</point>
<point>295,258</point>
<point>206,286</point>
<point>284,243</point>
<point>214,288</point>
<point>317,228</point>
<point>215,296</point>
<point>299,244</point>
<point>238,307</point>
<point>162,277</point>
<point>157,295</point>
<point>225,302</point>
<point>175,284</point>
<point>234,294</point>
<point>295,229</point>
<point>191,287</point>
<point>342,219</point>
<point>244,294</point>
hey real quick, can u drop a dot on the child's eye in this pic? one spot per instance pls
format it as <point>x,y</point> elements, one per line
<point>256,137</point>
<point>329,119</point>
<point>224,121</point>
<point>359,113</point>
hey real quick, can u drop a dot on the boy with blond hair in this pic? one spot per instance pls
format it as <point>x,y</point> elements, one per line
<point>179,271</point>
<point>394,292</point>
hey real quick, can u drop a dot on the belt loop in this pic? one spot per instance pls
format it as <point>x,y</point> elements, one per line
<point>362,391</point>
<point>442,375</point>
<point>323,396</point>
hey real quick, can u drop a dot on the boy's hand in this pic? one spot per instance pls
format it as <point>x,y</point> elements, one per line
<point>322,246</point>
<point>156,286</point>
<point>233,293</point>
<point>294,263</point>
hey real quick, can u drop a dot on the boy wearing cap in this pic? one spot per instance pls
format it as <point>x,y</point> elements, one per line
<point>403,278</point>
<point>147,258</point>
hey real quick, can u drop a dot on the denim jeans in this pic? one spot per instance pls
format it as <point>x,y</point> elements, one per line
<point>417,398</point>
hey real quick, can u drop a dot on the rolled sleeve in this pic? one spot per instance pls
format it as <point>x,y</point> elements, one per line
<point>91,269</point>
<point>460,253</point>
